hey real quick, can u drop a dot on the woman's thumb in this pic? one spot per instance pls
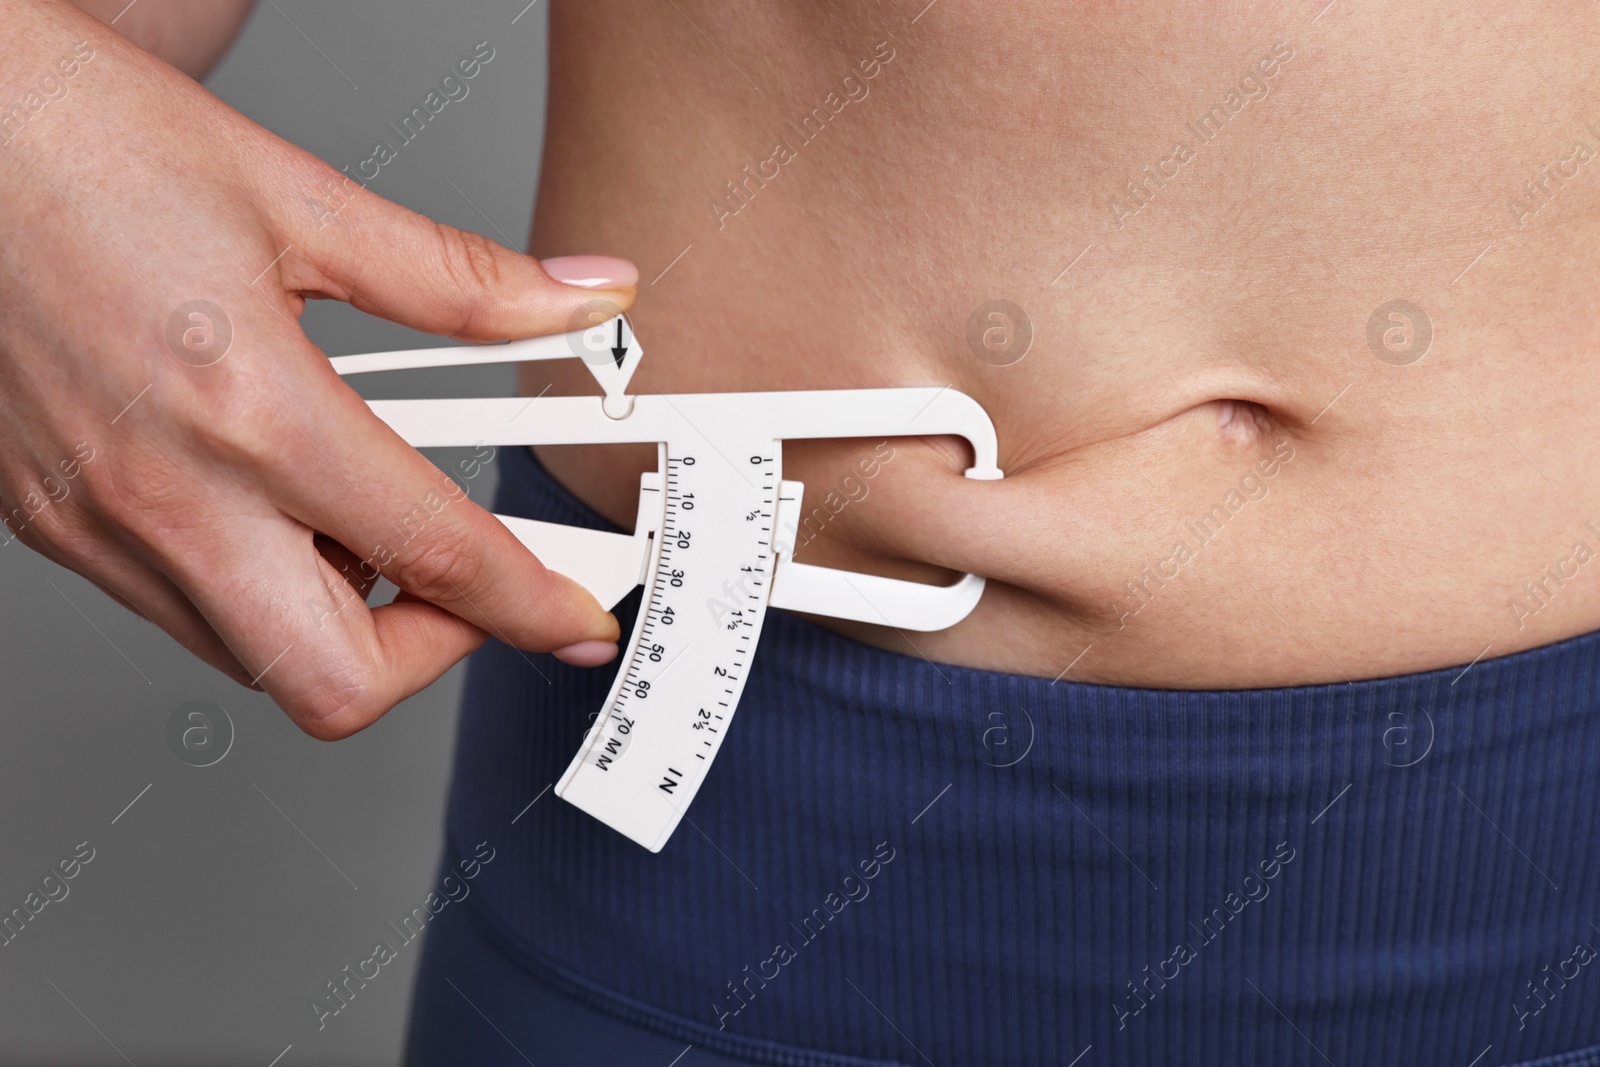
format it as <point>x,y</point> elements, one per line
<point>395,263</point>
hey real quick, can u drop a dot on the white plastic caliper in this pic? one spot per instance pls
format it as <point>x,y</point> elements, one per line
<point>712,544</point>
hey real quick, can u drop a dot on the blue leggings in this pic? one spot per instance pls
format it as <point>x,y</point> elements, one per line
<point>900,862</point>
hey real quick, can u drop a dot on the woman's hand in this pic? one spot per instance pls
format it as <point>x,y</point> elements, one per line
<point>170,433</point>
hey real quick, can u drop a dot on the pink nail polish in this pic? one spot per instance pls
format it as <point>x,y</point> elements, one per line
<point>592,272</point>
<point>587,653</point>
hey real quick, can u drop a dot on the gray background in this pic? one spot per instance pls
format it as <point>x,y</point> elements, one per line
<point>206,920</point>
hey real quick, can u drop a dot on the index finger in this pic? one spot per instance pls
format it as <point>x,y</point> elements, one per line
<point>403,518</point>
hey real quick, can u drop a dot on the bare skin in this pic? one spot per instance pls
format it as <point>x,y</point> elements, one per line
<point>192,35</point>
<point>1185,341</point>
<point>1216,321</point>
<point>242,498</point>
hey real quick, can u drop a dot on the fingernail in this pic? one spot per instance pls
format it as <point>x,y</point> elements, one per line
<point>587,653</point>
<point>592,272</point>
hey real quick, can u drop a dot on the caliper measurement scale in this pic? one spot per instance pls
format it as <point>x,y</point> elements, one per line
<point>712,545</point>
<point>702,617</point>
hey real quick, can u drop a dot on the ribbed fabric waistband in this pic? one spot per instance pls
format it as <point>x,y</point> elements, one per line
<point>900,861</point>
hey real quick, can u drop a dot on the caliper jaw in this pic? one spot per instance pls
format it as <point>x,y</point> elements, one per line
<point>609,565</point>
<point>612,565</point>
<point>838,594</point>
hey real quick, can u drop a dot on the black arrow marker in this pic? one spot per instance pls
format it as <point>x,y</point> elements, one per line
<point>620,350</point>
